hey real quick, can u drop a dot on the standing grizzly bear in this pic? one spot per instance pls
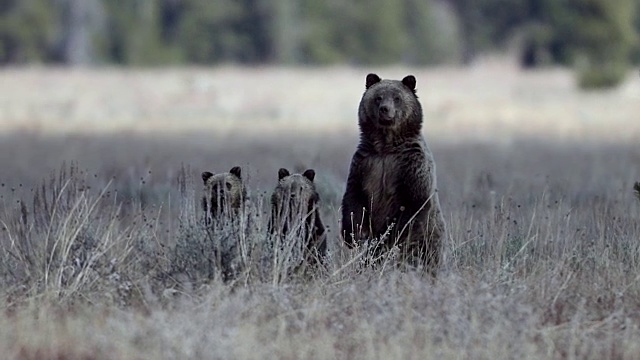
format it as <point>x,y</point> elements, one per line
<point>295,216</point>
<point>392,177</point>
<point>223,193</point>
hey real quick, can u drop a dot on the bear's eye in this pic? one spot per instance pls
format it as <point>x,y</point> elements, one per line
<point>378,99</point>
<point>228,186</point>
<point>396,99</point>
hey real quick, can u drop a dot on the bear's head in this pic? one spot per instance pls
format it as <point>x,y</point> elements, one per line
<point>295,195</point>
<point>390,104</point>
<point>223,192</point>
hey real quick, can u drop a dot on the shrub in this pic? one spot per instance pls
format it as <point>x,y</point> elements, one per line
<point>65,241</point>
<point>601,76</point>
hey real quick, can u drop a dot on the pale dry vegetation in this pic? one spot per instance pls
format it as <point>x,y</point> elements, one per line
<point>104,257</point>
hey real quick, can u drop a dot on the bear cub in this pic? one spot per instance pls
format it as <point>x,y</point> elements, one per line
<point>223,203</point>
<point>392,177</point>
<point>295,215</point>
<point>224,193</point>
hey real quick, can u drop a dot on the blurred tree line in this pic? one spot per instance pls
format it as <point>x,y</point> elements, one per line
<point>598,37</point>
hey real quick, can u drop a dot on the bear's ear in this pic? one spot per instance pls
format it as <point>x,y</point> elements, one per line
<point>282,173</point>
<point>237,171</point>
<point>410,82</point>
<point>372,79</point>
<point>206,175</point>
<point>309,174</point>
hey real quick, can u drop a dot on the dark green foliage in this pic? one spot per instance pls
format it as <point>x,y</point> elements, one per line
<point>26,30</point>
<point>596,36</point>
<point>349,32</point>
<point>602,75</point>
<point>220,31</point>
<point>635,51</point>
<point>486,24</point>
<point>134,34</point>
<point>604,40</point>
<point>600,35</point>
<point>201,31</point>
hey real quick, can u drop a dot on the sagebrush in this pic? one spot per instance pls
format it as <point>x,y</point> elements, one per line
<point>541,261</point>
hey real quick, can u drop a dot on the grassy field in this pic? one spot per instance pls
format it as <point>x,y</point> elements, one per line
<point>101,255</point>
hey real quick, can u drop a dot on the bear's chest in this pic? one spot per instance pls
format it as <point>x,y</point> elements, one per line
<point>381,175</point>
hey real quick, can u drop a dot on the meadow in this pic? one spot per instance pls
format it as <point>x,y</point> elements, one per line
<point>102,257</point>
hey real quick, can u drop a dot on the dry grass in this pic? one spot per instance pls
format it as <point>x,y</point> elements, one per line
<point>103,258</point>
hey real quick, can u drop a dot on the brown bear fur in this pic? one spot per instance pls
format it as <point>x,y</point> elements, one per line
<point>224,193</point>
<point>294,199</point>
<point>392,177</point>
<point>223,204</point>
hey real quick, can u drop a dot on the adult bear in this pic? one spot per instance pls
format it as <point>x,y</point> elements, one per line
<point>392,177</point>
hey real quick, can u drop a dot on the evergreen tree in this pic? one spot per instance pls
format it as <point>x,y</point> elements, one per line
<point>349,32</point>
<point>598,35</point>
<point>27,31</point>
<point>225,30</point>
<point>134,33</point>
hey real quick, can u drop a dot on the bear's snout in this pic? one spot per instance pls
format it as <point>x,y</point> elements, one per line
<point>387,113</point>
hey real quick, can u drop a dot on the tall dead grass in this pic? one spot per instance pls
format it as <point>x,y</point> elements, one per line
<point>541,261</point>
